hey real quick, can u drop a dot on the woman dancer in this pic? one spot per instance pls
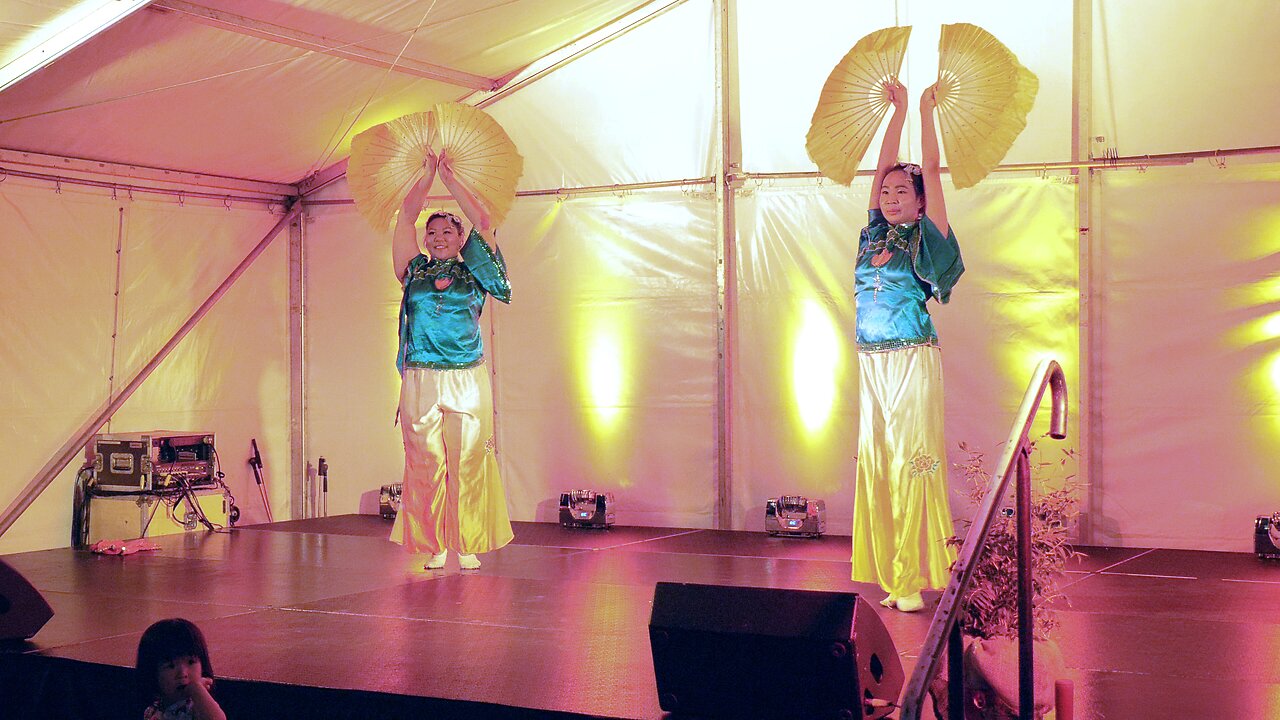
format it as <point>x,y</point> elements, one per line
<point>907,254</point>
<point>452,498</point>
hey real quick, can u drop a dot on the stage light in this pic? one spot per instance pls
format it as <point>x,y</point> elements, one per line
<point>389,500</point>
<point>586,508</point>
<point>1266,537</point>
<point>796,516</point>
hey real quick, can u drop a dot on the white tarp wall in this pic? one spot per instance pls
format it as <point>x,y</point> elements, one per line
<point>605,364</point>
<point>229,376</point>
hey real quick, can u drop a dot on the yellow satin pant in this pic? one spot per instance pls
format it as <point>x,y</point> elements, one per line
<point>452,497</point>
<point>901,513</point>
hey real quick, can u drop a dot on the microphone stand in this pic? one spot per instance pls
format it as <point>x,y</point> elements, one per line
<point>255,462</point>
<point>324,487</point>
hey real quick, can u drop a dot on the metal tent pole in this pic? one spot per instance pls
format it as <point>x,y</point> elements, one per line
<point>300,497</point>
<point>728,125</point>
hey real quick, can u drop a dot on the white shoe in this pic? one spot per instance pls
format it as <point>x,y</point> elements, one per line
<point>437,561</point>
<point>468,562</point>
<point>911,603</point>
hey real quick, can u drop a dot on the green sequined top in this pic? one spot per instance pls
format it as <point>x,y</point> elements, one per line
<point>443,299</point>
<point>899,268</point>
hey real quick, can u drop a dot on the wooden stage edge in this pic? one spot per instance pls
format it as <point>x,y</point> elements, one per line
<point>325,618</point>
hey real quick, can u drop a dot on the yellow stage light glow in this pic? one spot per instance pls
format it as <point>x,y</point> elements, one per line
<point>1048,329</point>
<point>604,377</point>
<point>817,357</point>
<point>606,373</point>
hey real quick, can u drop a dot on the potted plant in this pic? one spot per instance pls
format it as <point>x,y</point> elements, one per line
<point>989,620</point>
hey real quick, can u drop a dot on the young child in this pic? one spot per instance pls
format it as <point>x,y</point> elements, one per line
<point>174,673</point>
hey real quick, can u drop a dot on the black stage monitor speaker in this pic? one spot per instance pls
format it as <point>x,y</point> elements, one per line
<point>740,652</point>
<point>23,610</point>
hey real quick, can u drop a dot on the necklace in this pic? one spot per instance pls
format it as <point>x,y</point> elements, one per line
<point>897,237</point>
<point>442,274</point>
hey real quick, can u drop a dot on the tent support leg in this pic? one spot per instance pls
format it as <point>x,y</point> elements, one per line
<point>728,125</point>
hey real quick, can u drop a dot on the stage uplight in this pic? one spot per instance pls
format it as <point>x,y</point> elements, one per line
<point>795,516</point>
<point>389,500</point>
<point>586,508</point>
<point>1266,537</point>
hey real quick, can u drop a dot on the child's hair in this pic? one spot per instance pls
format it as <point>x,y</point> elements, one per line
<point>914,172</point>
<point>164,641</point>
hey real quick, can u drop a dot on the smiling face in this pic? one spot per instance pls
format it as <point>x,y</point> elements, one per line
<point>899,200</point>
<point>175,674</point>
<point>443,238</point>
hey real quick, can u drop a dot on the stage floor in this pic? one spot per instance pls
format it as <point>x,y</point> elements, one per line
<point>325,618</point>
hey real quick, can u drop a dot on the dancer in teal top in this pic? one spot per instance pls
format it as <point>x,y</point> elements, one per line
<point>906,256</point>
<point>452,497</point>
<point>443,300</point>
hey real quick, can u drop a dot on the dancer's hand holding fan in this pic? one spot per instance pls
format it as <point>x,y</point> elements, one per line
<point>984,95</point>
<point>389,159</point>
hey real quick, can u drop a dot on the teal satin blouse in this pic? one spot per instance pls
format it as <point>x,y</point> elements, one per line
<point>443,299</point>
<point>899,268</point>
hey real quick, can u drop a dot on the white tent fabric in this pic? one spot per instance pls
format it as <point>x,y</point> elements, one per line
<point>606,364</point>
<point>785,58</point>
<point>1189,357</point>
<point>229,376</point>
<point>162,89</point>
<point>617,116</point>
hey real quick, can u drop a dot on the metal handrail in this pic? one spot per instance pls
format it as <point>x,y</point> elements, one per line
<point>944,631</point>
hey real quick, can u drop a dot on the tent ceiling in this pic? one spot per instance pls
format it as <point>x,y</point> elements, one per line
<point>229,87</point>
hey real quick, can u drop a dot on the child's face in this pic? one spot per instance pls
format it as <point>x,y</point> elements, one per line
<point>176,674</point>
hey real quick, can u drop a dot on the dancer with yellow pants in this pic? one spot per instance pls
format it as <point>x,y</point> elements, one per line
<point>907,254</point>
<point>452,498</point>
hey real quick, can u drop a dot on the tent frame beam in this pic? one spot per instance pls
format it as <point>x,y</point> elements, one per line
<point>292,37</point>
<point>66,39</point>
<point>523,77</point>
<point>165,178</point>
<point>562,56</point>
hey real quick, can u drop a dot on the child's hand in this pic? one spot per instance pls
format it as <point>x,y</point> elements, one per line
<point>203,706</point>
<point>200,687</point>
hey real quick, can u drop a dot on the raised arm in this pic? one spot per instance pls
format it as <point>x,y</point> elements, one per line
<point>470,204</point>
<point>896,93</point>
<point>404,241</point>
<point>935,205</point>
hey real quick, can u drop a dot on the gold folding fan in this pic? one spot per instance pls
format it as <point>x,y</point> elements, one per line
<point>852,103</point>
<point>984,95</point>
<point>387,160</point>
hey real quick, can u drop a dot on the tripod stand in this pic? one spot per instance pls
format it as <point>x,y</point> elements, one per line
<point>323,472</point>
<point>255,462</point>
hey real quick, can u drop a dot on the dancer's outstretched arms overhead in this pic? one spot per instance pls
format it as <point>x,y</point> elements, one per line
<point>404,241</point>
<point>896,93</point>
<point>468,201</point>
<point>936,206</point>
